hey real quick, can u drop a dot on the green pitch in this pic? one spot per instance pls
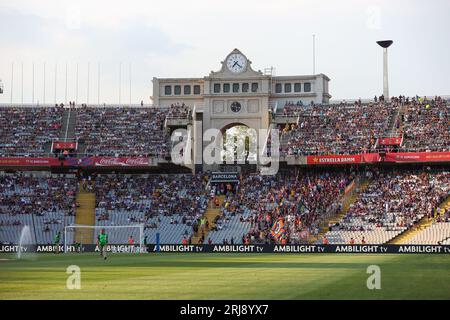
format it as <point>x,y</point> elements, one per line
<point>226,276</point>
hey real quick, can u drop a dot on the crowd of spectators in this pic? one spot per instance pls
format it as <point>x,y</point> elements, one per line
<point>395,201</point>
<point>27,132</point>
<point>181,197</point>
<point>292,108</point>
<point>299,199</point>
<point>118,131</point>
<point>426,125</point>
<point>335,129</point>
<point>37,194</point>
<point>344,128</point>
<point>10,223</point>
<point>178,110</point>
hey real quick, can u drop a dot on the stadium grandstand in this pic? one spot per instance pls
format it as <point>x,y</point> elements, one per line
<point>300,204</point>
<point>373,171</point>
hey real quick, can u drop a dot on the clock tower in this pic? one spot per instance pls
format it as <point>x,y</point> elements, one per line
<point>236,95</point>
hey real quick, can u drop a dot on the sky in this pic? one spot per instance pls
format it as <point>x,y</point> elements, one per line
<point>179,38</point>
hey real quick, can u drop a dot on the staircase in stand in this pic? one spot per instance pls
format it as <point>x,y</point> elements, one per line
<point>85,215</point>
<point>68,123</point>
<point>211,213</point>
<point>391,130</point>
<point>347,201</point>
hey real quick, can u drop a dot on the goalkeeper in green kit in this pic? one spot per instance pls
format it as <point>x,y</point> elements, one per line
<point>102,242</point>
<point>57,241</point>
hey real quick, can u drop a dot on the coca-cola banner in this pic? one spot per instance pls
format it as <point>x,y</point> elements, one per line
<point>417,157</point>
<point>121,162</point>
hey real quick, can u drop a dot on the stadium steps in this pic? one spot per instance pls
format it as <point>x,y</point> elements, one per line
<point>347,201</point>
<point>391,130</point>
<point>210,214</point>
<point>85,215</point>
<point>401,113</point>
<point>421,225</point>
<point>69,123</point>
<point>72,124</point>
<point>62,131</point>
<point>64,123</point>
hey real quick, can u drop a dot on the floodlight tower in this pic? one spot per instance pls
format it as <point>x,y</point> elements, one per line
<point>385,44</point>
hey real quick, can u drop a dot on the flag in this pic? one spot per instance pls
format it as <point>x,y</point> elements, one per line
<point>278,228</point>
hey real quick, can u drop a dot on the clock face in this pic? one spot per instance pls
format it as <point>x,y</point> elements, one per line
<point>236,63</point>
<point>235,107</point>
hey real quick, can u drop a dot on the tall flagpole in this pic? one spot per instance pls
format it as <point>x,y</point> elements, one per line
<point>88,71</point>
<point>130,84</point>
<point>314,53</point>
<point>56,79</point>
<point>98,83</point>
<point>43,100</point>
<point>32,84</point>
<point>65,91</point>
<point>22,83</point>
<point>120,81</point>
<point>12,82</point>
<point>76,86</point>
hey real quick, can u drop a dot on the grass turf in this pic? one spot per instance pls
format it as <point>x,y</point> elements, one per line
<point>226,276</point>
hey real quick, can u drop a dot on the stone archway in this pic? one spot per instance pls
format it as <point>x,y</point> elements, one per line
<point>239,143</point>
<point>213,120</point>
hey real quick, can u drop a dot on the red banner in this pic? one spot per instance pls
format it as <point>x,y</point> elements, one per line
<point>59,145</point>
<point>121,162</point>
<point>417,157</point>
<point>401,157</point>
<point>395,141</point>
<point>29,162</point>
<point>334,159</point>
<point>370,157</point>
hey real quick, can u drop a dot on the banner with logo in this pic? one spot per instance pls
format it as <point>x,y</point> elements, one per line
<point>234,248</point>
<point>405,157</point>
<point>29,162</point>
<point>400,157</point>
<point>121,162</point>
<point>224,177</point>
<point>334,159</point>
